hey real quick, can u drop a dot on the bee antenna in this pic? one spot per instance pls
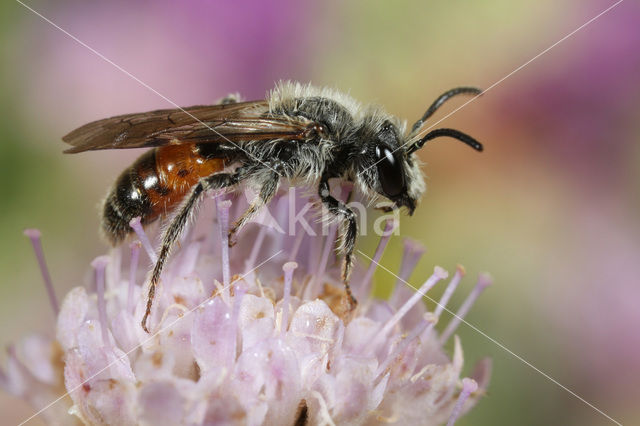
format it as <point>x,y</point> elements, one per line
<point>441,100</point>
<point>456,134</point>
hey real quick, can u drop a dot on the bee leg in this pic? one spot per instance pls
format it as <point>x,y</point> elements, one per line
<point>348,235</point>
<point>178,223</point>
<point>268,189</point>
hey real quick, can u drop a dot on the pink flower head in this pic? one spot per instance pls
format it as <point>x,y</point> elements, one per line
<point>278,345</point>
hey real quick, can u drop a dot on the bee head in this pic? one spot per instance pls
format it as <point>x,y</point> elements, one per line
<point>385,167</point>
<point>388,164</point>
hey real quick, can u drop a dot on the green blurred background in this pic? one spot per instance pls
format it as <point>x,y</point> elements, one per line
<point>550,208</point>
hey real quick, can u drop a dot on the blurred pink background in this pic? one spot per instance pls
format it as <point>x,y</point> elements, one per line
<point>550,208</point>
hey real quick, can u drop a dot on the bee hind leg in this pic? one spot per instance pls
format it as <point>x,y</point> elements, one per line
<point>179,222</point>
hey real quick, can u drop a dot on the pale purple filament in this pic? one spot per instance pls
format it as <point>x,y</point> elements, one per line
<point>288,269</point>
<point>483,282</point>
<point>296,245</point>
<point>99,264</point>
<point>411,254</point>
<point>239,292</point>
<point>451,288</point>
<point>365,285</point>
<point>437,275</point>
<point>329,245</point>
<point>424,325</point>
<point>468,387</point>
<point>34,236</point>
<point>136,225</point>
<point>133,268</point>
<point>257,245</point>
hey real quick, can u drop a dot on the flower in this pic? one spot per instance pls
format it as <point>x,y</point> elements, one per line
<point>277,345</point>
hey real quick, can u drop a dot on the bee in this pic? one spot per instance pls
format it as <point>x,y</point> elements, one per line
<point>299,133</point>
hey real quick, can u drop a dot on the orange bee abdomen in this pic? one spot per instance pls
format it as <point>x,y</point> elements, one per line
<point>153,186</point>
<point>179,167</point>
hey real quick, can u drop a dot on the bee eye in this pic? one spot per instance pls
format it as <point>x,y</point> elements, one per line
<point>390,172</point>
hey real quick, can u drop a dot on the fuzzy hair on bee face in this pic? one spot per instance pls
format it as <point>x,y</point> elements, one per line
<point>379,130</point>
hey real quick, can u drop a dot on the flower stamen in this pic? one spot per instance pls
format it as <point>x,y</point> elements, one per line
<point>288,269</point>
<point>484,280</point>
<point>468,387</point>
<point>136,225</point>
<point>425,325</point>
<point>329,244</point>
<point>234,330</point>
<point>133,269</point>
<point>296,246</point>
<point>34,235</point>
<point>99,264</point>
<point>411,254</point>
<point>257,245</point>
<point>365,285</point>
<point>438,274</point>
<point>451,288</point>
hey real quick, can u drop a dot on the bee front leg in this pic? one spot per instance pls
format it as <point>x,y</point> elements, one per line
<point>268,188</point>
<point>179,222</point>
<point>349,232</point>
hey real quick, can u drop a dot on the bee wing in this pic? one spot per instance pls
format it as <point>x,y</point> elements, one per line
<point>235,122</point>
